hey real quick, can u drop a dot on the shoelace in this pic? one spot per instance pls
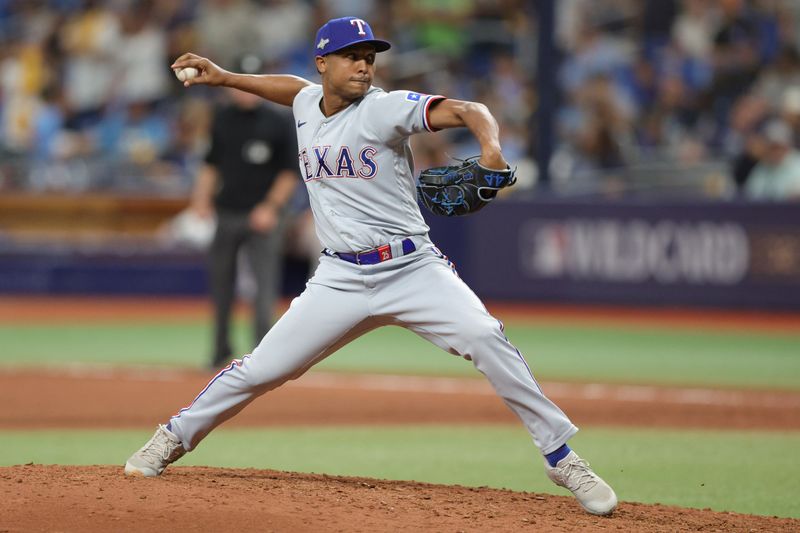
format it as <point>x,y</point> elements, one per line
<point>577,474</point>
<point>158,449</point>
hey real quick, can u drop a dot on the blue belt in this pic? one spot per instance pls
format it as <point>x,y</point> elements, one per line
<point>374,256</point>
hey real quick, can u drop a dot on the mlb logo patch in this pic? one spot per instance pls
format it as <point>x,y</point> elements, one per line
<point>413,97</point>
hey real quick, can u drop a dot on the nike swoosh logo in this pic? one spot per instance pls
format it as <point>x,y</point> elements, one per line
<point>300,124</point>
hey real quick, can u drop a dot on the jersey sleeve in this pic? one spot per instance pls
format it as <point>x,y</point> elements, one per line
<point>306,97</point>
<point>400,114</point>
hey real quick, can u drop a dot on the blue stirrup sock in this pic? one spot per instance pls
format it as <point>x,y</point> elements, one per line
<point>554,457</point>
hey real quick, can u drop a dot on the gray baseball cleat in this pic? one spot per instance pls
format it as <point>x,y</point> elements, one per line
<point>574,474</point>
<point>152,458</point>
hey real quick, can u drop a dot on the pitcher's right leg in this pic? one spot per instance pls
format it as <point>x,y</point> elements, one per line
<point>318,322</point>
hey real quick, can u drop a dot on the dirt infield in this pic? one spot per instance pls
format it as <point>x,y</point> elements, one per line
<point>100,498</point>
<point>89,499</point>
<point>91,397</point>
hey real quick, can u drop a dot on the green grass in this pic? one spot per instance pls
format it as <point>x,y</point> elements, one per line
<point>749,472</point>
<point>146,343</point>
<point>555,351</point>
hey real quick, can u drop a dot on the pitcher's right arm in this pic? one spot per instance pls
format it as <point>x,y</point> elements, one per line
<point>278,88</point>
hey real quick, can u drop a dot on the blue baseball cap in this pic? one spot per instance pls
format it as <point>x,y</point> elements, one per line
<point>343,32</point>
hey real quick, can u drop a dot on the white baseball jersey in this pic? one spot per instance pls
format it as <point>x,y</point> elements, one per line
<point>358,167</point>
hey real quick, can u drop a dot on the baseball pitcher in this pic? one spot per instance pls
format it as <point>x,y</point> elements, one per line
<point>379,266</point>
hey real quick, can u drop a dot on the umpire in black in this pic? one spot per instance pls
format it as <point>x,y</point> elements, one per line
<point>248,176</point>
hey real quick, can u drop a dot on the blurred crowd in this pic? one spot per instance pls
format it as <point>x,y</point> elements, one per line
<point>675,84</point>
<point>648,88</point>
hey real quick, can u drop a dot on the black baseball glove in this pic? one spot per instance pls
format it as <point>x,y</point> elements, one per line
<point>461,189</point>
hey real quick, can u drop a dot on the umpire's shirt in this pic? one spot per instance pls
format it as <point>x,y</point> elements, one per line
<point>249,148</point>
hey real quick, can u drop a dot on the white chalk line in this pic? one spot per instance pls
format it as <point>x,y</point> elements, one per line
<point>455,386</point>
<point>556,390</point>
<point>103,372</point>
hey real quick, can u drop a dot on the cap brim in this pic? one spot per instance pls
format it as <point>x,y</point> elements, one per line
<point>380,46</point>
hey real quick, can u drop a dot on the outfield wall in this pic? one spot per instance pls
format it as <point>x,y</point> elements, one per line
<point>732,255</point>
<point>689,254</point>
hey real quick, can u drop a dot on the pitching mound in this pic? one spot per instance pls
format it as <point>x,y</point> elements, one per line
<point>101,498</point>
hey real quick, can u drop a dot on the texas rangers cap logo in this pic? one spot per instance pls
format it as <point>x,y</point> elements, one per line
<point>360,23</point>
<point>343,32</point>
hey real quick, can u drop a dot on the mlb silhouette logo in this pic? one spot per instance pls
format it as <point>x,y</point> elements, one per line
<point>414,97</point>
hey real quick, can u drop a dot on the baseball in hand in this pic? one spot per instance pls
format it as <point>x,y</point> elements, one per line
<point>187,73</point>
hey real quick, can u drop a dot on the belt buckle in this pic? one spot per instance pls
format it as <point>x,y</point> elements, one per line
<point>384,252</point>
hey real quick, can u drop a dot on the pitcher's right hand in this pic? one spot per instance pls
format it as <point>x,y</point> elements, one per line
<point>209,72</point>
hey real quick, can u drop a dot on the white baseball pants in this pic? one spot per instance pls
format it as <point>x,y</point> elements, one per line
<point>342,301</point>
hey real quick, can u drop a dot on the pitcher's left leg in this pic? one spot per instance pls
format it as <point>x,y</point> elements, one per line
<point>432,301</point>
<point>435,303</point>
